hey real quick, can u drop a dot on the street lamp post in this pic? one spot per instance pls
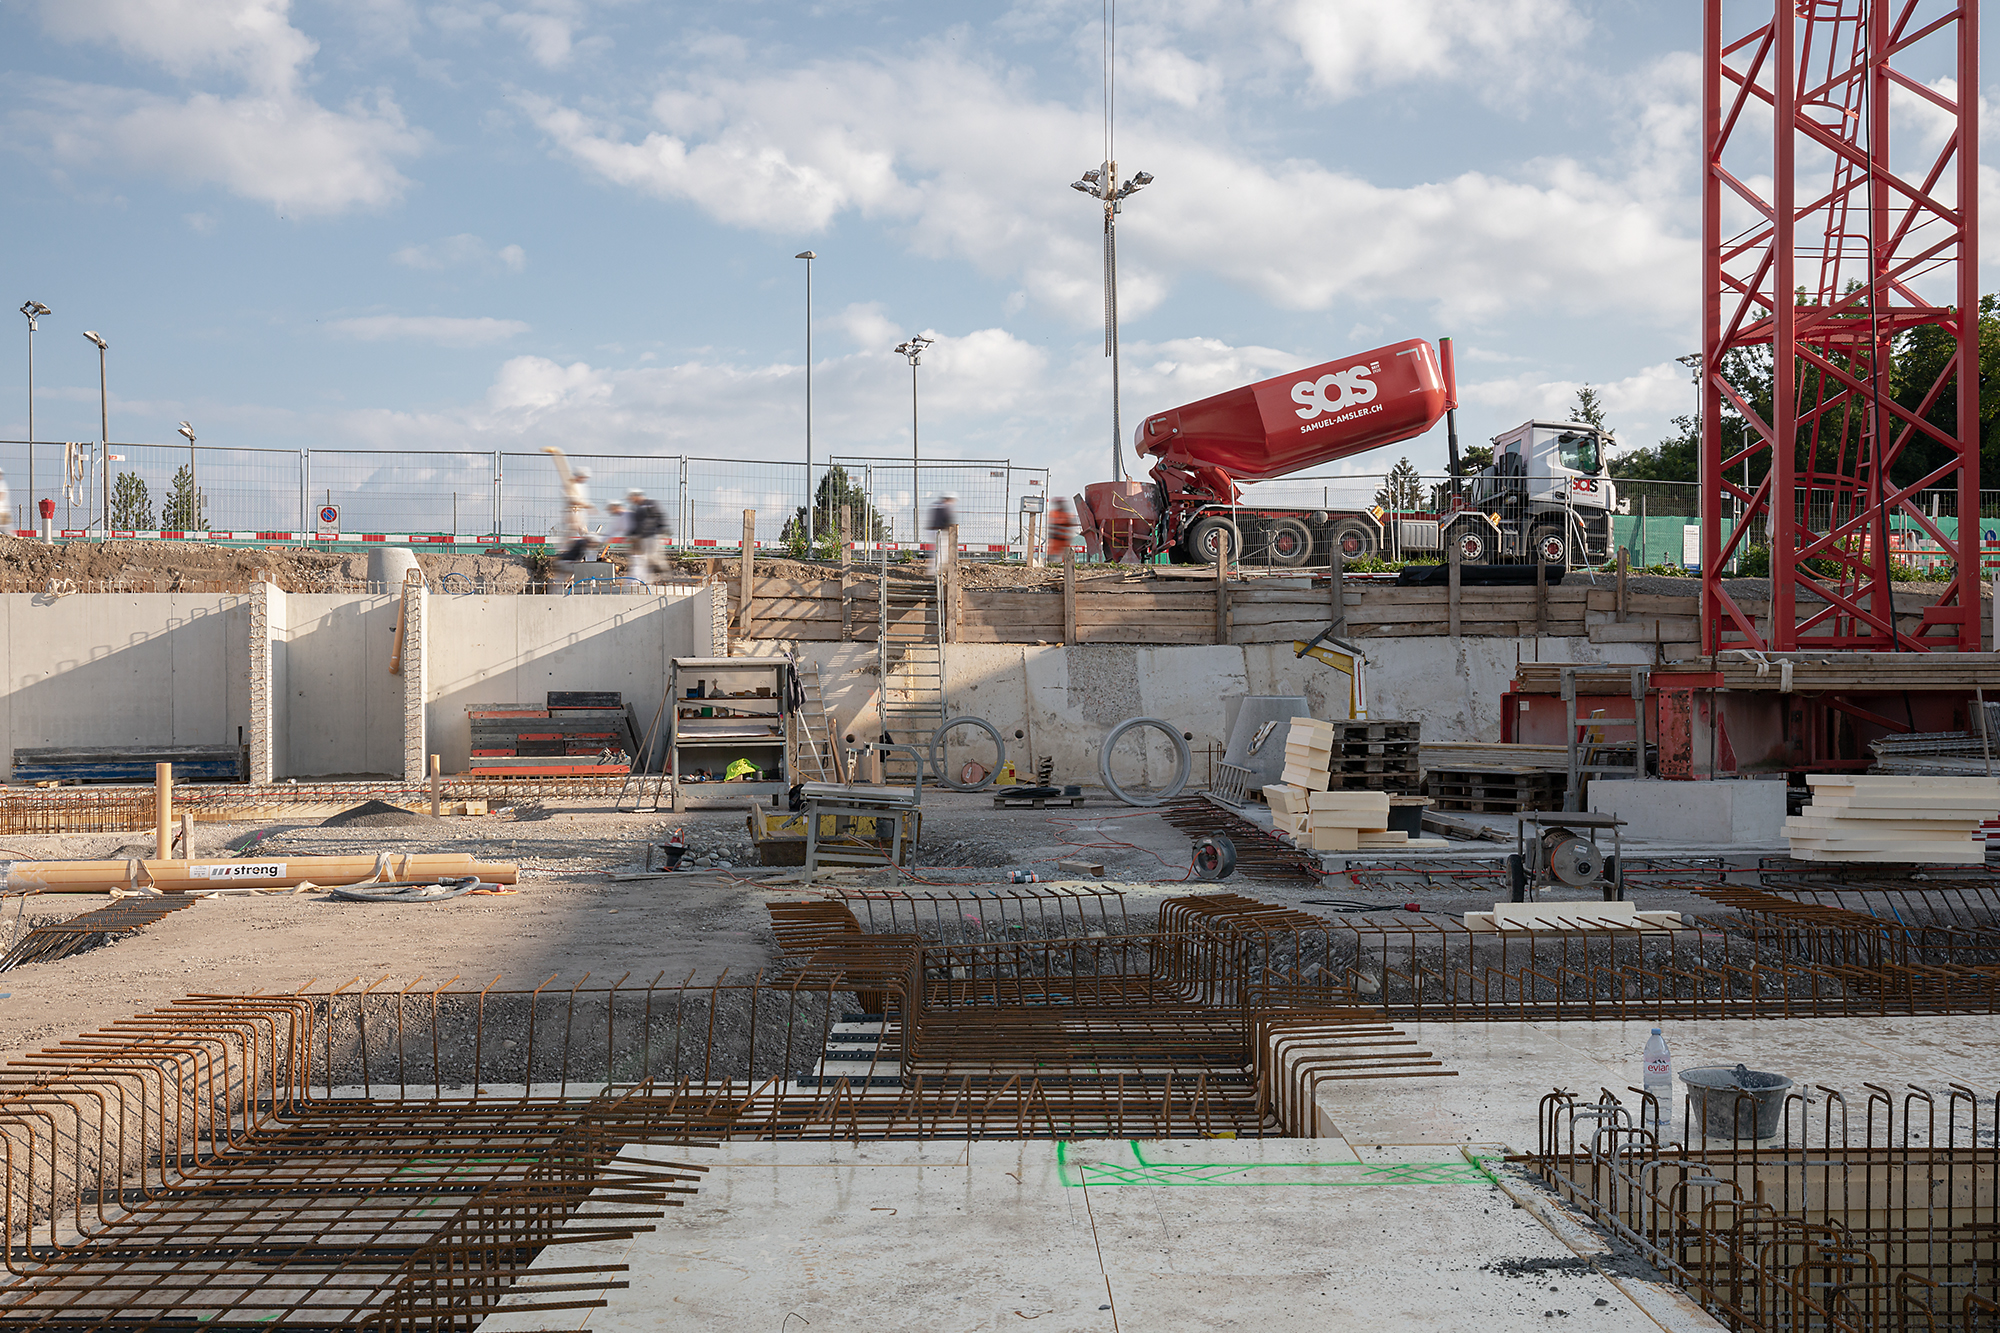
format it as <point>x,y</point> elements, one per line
<point>191,508</point>
<point>914,349</point>
<point>34,310</point>
<point>1101,183</point>
<point>104,426</point>
<point>809,256</point>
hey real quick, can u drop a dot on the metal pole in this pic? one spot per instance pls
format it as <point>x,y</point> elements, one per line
<point>811,500</point>
<point>916,526</point>
<point>1111,292</point>
<point>104,436</point>
<point>32,512</point>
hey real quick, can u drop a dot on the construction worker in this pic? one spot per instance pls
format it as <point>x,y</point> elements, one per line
<point>646,527</point>
<point>576,515</point>
<point>1063,527</point>
<point>942,520</point>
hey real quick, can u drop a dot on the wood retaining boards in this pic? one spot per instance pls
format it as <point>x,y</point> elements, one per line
<point>1121,608</point>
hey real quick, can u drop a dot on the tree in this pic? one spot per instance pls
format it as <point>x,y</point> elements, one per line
<point>131,505</point>
<point>1921,356</point>
<point>186,509</point>
<point>1589,409</point>
<point>1403,489</point>
<point>836,488</point>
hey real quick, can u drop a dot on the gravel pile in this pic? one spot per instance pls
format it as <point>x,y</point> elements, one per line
<point>377,814</point>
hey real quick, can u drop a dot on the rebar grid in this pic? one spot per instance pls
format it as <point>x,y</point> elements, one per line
<point>1872,1214</point>
<point>973,914</point>
<point>1965,902</point>
<point>1234,950</point>
<point>176,1170</point>
<point>1908,924</point>
<point>89,930</point>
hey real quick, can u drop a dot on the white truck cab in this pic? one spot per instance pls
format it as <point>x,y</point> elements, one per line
<point>1548,487</point>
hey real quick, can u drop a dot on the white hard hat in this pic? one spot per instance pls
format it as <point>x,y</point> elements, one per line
<point>582,474</point>
<point>951,495</point>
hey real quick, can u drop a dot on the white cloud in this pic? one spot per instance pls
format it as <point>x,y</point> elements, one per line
<point>1351,46</point>
<point>271,143</point>
<point>446,331</point>
<point>547,36</point>
<point>464,249</point>
<point>959,157</point>
<point>252,39</point>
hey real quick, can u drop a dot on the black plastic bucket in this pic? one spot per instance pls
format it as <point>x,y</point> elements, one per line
<point>1731,1102</point>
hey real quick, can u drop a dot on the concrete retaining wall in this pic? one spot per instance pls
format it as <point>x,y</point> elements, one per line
<point>125,668</point>
<point>1065,700</point>
<point>304,678</point>
<point>503,649</point>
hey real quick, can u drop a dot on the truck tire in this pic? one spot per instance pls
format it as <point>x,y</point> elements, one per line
<point>1355,539</point>
<point>1288,542</point>
<point>1551,544</point>
<point>1475,545</point>
<point>1205,538</point>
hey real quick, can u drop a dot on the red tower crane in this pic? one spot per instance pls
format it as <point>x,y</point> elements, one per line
<point>1840,223</point>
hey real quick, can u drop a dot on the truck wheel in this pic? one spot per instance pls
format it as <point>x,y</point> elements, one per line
<point>1354,540</point>
<point>1551,544</point>
<point>1289,542</point>
<point>1473,545</point>
<point>1205,539</point>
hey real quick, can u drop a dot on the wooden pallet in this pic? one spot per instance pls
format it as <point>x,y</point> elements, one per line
<point>1357,731</point>
<point>1388,763</point>
<point>1395,783</point>
<point>1034,802</point>
<point>1495,790</point>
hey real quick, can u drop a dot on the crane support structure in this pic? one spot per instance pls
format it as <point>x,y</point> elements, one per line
<point>1840,227</point>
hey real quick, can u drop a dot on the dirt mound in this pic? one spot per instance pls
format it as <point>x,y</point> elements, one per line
<point>376,814</point>
<point>173,566</point>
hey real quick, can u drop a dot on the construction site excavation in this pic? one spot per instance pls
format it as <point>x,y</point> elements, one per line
<point>1152,907</point>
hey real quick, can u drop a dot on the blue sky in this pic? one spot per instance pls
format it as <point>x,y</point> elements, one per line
<point>497,224</point>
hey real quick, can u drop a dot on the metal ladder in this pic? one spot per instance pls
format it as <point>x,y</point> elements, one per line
<point>910,643</point>
<point>814,746</point>
<point>1583,755</point>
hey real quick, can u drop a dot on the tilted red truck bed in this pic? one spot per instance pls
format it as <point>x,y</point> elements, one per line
<point>1280,426</point>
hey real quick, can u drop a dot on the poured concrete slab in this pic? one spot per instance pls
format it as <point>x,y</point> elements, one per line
<point>1504,1069</point>
<point>1104,1235</point>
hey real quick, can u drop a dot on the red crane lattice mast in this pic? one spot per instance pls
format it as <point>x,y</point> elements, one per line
<point>1839,224</point>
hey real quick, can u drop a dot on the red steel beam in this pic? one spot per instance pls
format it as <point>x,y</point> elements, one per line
<point>1821,248</point>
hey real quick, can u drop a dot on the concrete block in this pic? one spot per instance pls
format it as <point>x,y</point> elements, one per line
<point>1726,811</point>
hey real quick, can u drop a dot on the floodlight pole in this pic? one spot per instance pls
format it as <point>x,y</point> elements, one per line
<point>811,499</point>
<point>104,426</point>
<point>914,349</point>
<point>1101,183</point>
<point>34,310</point>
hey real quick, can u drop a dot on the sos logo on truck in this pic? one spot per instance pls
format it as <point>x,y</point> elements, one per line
<point>1354,385</point>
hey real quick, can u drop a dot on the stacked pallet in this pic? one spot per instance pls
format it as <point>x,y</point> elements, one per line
<point>1856,817</point>
<point>574,733</point>
<point>1495,788</point>
<point>1358,755</point>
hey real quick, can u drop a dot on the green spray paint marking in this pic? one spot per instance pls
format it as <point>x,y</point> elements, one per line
<point>1076,1174</point>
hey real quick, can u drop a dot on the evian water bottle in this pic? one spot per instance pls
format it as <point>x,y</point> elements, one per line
<point>1658,1080</point>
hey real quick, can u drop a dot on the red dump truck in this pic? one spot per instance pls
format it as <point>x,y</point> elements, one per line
<point>1546,493</point>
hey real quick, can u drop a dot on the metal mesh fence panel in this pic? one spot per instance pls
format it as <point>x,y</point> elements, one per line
<point>531,493</point>
<point>397,490</point>
<point>989,494</point>
<point>719,490</point>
